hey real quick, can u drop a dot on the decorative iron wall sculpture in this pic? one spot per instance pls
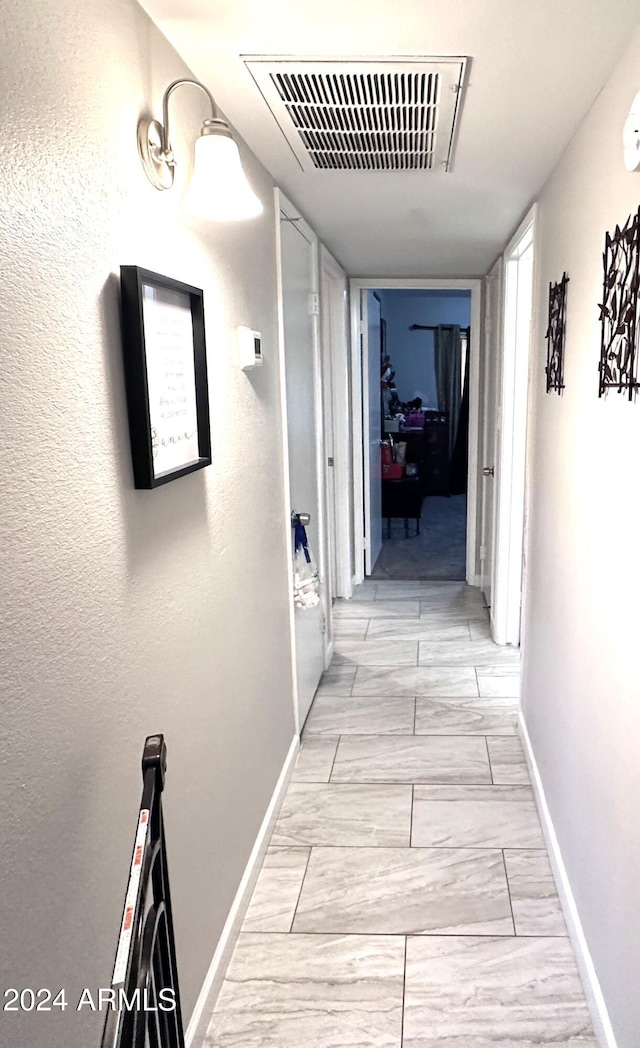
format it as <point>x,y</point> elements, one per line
<point>555,335</point>
<point>619,309</point>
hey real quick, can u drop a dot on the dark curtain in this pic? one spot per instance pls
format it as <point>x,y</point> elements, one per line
<point>459,465</point>
<point>448,366</point>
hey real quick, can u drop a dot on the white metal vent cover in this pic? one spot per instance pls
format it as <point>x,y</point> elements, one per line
<point>364,114</point>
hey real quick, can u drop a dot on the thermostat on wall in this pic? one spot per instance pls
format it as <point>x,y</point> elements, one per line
<point>250,348</point>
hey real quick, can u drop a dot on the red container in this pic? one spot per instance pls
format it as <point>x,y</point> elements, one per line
<point>392,471</point>
<point>387,454</point>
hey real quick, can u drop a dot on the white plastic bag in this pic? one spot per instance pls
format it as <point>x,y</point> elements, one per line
<point>306,581</point>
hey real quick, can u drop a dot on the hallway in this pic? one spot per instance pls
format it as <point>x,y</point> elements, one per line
<point>406,897</point>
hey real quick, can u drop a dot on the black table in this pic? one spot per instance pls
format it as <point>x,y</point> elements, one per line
<point>402,498</point>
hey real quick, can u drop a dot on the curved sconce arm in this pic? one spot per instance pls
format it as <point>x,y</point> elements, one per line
<point>154,141</point>
<point>166,139</point>
<point>219,189</point>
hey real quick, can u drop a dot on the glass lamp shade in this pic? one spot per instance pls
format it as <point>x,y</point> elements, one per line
<point>219,189</point>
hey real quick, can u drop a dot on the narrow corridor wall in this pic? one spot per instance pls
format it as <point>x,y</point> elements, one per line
<point>581,684</point>
<point>124,612</point>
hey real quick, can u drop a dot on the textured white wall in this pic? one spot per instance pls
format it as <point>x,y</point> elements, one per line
<point>581,680</point>
<point>125,613</point>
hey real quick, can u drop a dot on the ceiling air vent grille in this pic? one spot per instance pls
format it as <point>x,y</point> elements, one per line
<point>365,115</point>
<point>382,121</point>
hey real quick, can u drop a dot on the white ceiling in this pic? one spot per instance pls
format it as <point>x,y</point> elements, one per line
<point>536,67</point>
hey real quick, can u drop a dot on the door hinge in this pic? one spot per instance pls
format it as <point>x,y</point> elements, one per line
<point>365,544</point>
<point>314,304</point>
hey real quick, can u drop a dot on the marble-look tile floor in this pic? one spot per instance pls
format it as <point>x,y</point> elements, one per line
<point>406,899</point>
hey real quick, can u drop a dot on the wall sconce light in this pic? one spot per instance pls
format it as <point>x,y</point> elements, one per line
<point>219,188</point>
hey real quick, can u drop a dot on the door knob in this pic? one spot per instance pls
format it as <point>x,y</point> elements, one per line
<point>487,471</point>
<point>300,518</point>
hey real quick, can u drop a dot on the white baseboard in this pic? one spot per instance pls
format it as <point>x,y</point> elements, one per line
<point>197,1028</point>
<point>328,654</point>
<point>595,999</point>
<point>347,588</point>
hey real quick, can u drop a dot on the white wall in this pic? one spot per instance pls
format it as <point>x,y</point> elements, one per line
<point>124,612</point>
<point>581,680</point>
<point>412,352</point>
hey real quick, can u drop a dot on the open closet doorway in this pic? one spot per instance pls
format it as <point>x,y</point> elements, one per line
<point>416,391</point>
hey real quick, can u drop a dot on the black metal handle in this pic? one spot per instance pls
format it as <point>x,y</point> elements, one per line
<point>145,1002</point>
<point>154,755</point>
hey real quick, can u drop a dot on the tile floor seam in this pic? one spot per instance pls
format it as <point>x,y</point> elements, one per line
<point>408,847</point>
<point>391,735</point>
<point>418,935</point>
<point>403,782</point>
<point>295,910</point>
<point>506,877</point>
<point>486,742</point>
<point>404,991</point>
<point>333,763</point>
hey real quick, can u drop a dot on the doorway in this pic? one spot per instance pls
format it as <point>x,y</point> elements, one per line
<point>416,386</point>
<point>425,431</point>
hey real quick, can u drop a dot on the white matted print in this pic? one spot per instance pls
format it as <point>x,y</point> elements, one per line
<point>170,378</point>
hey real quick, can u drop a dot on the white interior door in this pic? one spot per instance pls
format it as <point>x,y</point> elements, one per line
<point>336,384</point>
<point>371,428</point>
<point>490,426</point>
<point>513,389</point>
<point>327,307</point>
<point>298,266</point>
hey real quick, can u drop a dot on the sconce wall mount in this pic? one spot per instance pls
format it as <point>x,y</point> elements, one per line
<point>154,142</point>
<point>219,188</point>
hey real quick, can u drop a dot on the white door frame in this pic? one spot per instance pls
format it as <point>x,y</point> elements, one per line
<point>357,285</point>
<point>335,344</point>
<point>490,421</point>
<point>511,464</point>
<point>283,206</point>
<point>371,440</point>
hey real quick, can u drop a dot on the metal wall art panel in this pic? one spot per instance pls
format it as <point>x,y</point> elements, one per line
<point>556,335</point>
<point>619,309</point>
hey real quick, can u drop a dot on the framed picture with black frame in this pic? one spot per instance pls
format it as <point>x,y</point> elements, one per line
<point>165,365</point>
